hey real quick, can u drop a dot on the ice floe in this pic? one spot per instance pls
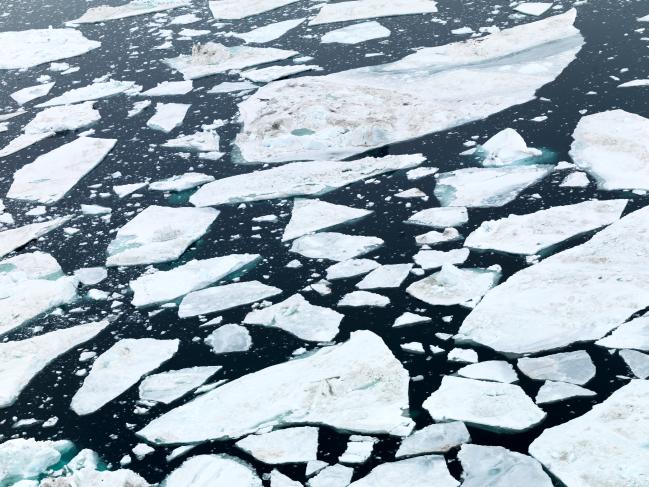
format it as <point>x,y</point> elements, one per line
<point>89,276</point>
<point>632,334</point>
<point>26,458</point>
<point>434,259</point>
<point>417,471</point>
<point>103,13</point>
<point>239,9</point>
<point>436,438</point>
<point>350,268</point>
<point>444,217</point>
<point>168,116</point>
<point>364,9</point>
<point>15,238</point>
<point>63,118</point>
<point>272,73</point>
<point>505,148</point>
<point>357,299</point>
<point>31,93</point>
<point>269,32</point>
<point>335,246</point>
<point>359,384</point>
<point>332,476</point>
<point>229,338</point>
<point>169,386</point>
<point>355,34</point>
<point>408,318</point>
<point>289,445</point>
<point>573,367</point>
<point>637,362</point>
<point>492,370</point>
<point>227,296</point>
<point>169,88</point>
<point>183,182</point>
<point>95,91</point>
<point>551,392</point>
<point>210,470</point>
<point>533,8</point>
<point>118,369</point>
<point>204,141</point>
<point>312,215</point>
<point>385,276</point>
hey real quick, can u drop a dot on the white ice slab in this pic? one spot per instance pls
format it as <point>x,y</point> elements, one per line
<point>269,32</point>
<point>63,118</point>
<point>23,141</point>
<point>239,9</point>
<point>492,370</point>
<point>312,215</point>
<point>551,392</point>
<point>632,334</point>
<point>358,299</point>
<point>182,182</point>
<point>444,217</point>
<point>15,238</point>
<point>203,141</point>
<point>169,88</point>
<point>356,33</point>
<point>133,8</point>
<point>212,470</point>
<point>505,148</point>
<point>332,476</point>
<point>95,91</point>
<point>436,438</point>
<point>232,87</point>
<point>350,268</point>
<point>533,8</point>
<point>367,9</point>
<point>227,296</point>
<point>335,246</point>
<point>408,318</point>
<point>435,259</point>
<point>169,386</point>
<point>168,116</point>
<point>385,276</point>
<point>573,367</point>
<point>637,362</point>
<point>272,73</point>
<point>31,93</point>
<point>26,458</point>
<point>418,471</point>
<point>289,445</point>
<point>229,338</point>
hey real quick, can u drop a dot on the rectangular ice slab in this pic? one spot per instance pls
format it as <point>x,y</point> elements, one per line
<point>52,175</point>
<point>104,13</point>
<point>356,33</point>
<point>367,9</point>
<point>239,9</point>
<point>168,116</point>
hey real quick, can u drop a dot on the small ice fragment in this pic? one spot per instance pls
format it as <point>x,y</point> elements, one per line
<point>357,299</point>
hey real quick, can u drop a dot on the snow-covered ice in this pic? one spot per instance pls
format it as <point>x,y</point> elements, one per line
<point>95,91</point>
<point>350,268</point>
<point>364,9</point>
<point>227,296</point>
<point>15,238</point>
<point>573,367</point>
<point>505,148</point>
<point>269,32</point>
<point>212,470</point>
<point>637,362</point>
<point>551,392</point>
<point>356,33</point>
<point>31,93</point>
<point>169,386</point>
<point>436,438</point>
<point>169,88</point>
<point>385,276</point>
<point>441,217</point>
<point>434,259</point>
<point>357,299</point>
<point>103,13</point>
<point>417,471</point>
<point>168,116</point>
<point>312,215</point>
<point>288,445</point>
<point>492,370</point>
<point>533,8</point>
<point>239,9</point>
<point>272,73</point>
<point>182,182</point>
<point>229,338</point>
<point>335,246</point>
<point>632,334</point>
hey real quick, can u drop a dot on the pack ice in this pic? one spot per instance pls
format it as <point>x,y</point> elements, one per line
<point>212,470</point>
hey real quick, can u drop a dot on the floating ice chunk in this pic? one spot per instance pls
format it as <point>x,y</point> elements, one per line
<point>124,190</point>
<point>118,369</point>
<point>407,319</point>
<point>434,237</point>
<point>573,367</point>
<point>15,238</point>
<point>461,31</point>
<point>358,299</point>
<point>436,438</point>
<point>632,334</point>
<point>23,141</point>
<point>31,93</point>
<point>95,91</point>
<point>220,298</point>
<point>539,232</point>
<point>290,445</point>
<point>168,116</point>
<point>491,370</point>
<point>533,8</point>
<point>212,470</point>
<point>551,392</point>
<point>300,318</point>
<point>239,9</point>
<point>21,361</point>
<point>52,175</point>
<point>212,58</point>
<point>385,276</point>
<point>298,179</point>
<point>463,355</point>
<point>272,73</point>
<point>335,246</point>
<point>282,395</point>
<point>268,32</point>
<point>27,458</point>
<point>489,405</point>
<point>310,216</point>
<point>138,107</point>
<point>105,13</point>
<point>89,276</point>
<point>418,471</point>
<point>367,9</point>
<point>605,446</point>
<point>37,46</point>
<point>496,466</point>
<point>634,83</point>
<point>576,179</point>
<point>182,182</point>
<point>333,476</point>
<point>420,172</point>
<point>440,217</point>
<point>487,187</point>
<point>355,34</point>
<point>638,362</point>
<point>169,386</point>
<point>379,105</point>
<point>95,210</point>
<point>612,147</point>
<point>350,268</point>
<point>229,338</point>
<point>204,141</point>
<point>434,259</point>
<point>60,119</point>
<point>230,87</point>
<point>505,148</point>
<point>278,479</point>
<point>163,286</point>
<point>184,19</point>
<point>359,450</point>
<point>169,88</point>
<point>159,234</point>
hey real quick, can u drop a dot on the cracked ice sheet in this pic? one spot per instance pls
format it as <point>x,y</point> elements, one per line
<point>94,91</point>
<point>367,9</point>
<point>104,13</point>
<point>361,387</point>
<point>458,83</point>
<point>355,34</point>
<point>298,179</point>
<point>52,175</point>
<point>239,9</point>
<point>38,46</point>
<point>577,295</point>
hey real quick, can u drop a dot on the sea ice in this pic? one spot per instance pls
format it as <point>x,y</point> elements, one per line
<point>15,238</point>
<point>332,476</point>
<point>63,118</point>
<point>289,445</point>
<point>31,93</point>
<point>385,276</point>
<point>169,386</point>
<point>89,276</point>
<point>407,319</point>
<point>168,116</point>
<point>95,91</point>
<point>359,450</point>
<point>357,299</point>
<point>444,217</point>
<point>182,182</point>
<point>575,179</point>
<point>573,367</point>
<point>551,392</point>
<point>367,9</point>
<point>632,334</point>
<point>269,32</point>
<point>272,73</point>
<point>312,215</point>
<point>335,246</point>
<point>505,148</point>
<point>212,470</point>
<point>436,438</point>
<point>227,296</point>
<point>491,370</point>
<point>169,88</point>
<point>278,479</point>
<point>350,268</point>
<point>232,87</point>
<point>356,33</point>
<point>637,362</point>
<point>204,141</point>
<point>103,13</point>
<point>434,237</point>
<point>229,338</point>
<point>533,8</point>
<point>434,259</point>
<point>27,458</point>
<point>412,472</point>
<point>239,9</point>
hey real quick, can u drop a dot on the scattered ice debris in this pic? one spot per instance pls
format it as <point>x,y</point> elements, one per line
<point>227,296</point>
<point>212,58</point>
<point>300,318</point>
<point>407,319</point>
<point>385,276</point>
<point>269,32</point>
<point>491,370</point>
<point>364,9</point>
<point>89,276</point>
<point>299,179</point>
<point>239,9</point>
<point>359,450</point>
<point>38,46</point>
<point>436,438</point>
<point>272,73</point>
<point>575,179</point>
<point>572,367</point>
<point>95,91</point>
<point>104,13</point>
<point>577,295</point>
<point>551,392</point>
<point>350,268</point>
<point>212,470</point>
<point>124,190</point>
<point>312,215</point>
<point>168,116</point>
<point>637,362</point>
<point>31,93</point>
<point>27,458</point>
<point>356,33</point>
<point>538,233</point>
<point>233,87</point>
<point>335,246</point>
<point>282,395</point>
<point>495,466</point>
<point>434,237</point>
<point>417,471</point>
<point>505,148</point>
<point>229,338</point>
<point>169,386</point>
<point>332,476</point>
<point>118,369</point>
<point>612,147</point>
<point>487,187</point>
<point>204,141</point>
<point>289,445</point>
<point>444,217</point>
<point>169,88</point>
<point>15,238</point>
<point>458,82</point>
<point>533,8</point>
<point>434,259</point>
<point>163,286</point>
<point>21,361</point>
<point>159,234</point>
<point>182,182</point>
<point>605,446</point>
<point>632,334</point>
<point>357,299</point>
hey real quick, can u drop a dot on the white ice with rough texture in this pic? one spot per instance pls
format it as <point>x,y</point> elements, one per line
<point>421,471</point>
<point>169,386</point>
<point>31,93</point>
<point>492,370</point>
<point>444,217</point>
<point>229,338</point>
<point>350,268</point>
<point>168,116</point>
<point>212,470</point>
<point>239,9</point>
<point>355,386</point>
<point>312,215</point>
<point>26,458</point>
<point>357,299</point>
<point>289,445</point>
<point>505,148</point>
<point>332,476</point>
<point>632,334</point>
<point>95,91</point>
<point>272,73</point>
<point>551,392</point>
<point>367,9</point>
<point>335,246</point>
<point>269,32</point>
<point>436,438</point>
<point>227,296</point>
<point>103,13</point>
<point>356,33</point>
<point>533,8</point>
<point>573,367</point>
<point>434,259</point>
<point>182,182</point>
<point>118,369</point>
<point>15,238</point>
<point>385,276</point>
<point>637,362</point>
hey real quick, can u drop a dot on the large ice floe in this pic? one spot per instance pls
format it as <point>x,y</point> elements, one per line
<point>364,9</point>
<point>20,361</point>
<point>52,175</point>
<point>104,13</point>
<point>577,295</point>
<point>607,446</point>
<point>612,147</point>
<point>355,386</point>
<point>434,89</point>
<point>412,472</point>
<point>299,179</point>
<point>159,234</point>
<point>37,46</point>
<point>539,232</point>
<point>309,216</point>
<point>239,9</point>
<point>213,470</point>
<point>119,368</point>
<point>226,296</point>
